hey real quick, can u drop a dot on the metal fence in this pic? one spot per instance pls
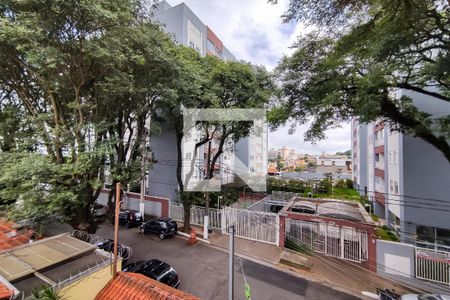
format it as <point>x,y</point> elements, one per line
<point>341,242</point>
<point>252,225</point>
<point>284,196</point>
<point>197,215</point>
<point>433,265</point>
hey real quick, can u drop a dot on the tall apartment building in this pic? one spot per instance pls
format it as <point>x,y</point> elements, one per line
<point>187,29</point>
<point>407,179</point>
<point>284,153</point>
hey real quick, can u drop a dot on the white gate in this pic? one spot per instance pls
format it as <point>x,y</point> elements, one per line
<point>341,242</point>
<point>252,225</point>
<point>197,215</point>
<point>433,265</point>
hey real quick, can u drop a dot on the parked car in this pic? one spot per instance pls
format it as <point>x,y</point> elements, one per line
<point>163,227</point>
<point>424,297</point>
<point>99,210</point>
<point>130,218</point>
<point>155,269</point>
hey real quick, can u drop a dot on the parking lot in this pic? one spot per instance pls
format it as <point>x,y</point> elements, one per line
<point>203,270</point>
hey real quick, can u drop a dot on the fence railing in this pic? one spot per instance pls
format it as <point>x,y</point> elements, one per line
<point>340,242</point>
<point>252,225</point>
<point>433,265</point>
<point>198,214</point>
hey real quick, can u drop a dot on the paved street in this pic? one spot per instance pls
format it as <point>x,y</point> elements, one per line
<point>203,270</point>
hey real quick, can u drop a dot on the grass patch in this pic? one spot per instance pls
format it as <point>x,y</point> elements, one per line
<point>346,193</point>
<point>386,234</point>
<point>374,217</point>
<point>299,247</point>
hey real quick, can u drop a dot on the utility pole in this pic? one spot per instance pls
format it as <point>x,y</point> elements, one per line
<point>144,153</point>
<point>231,266</point>
<point>116,229</point>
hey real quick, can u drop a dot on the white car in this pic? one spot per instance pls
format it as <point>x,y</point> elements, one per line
<point>424,297</point>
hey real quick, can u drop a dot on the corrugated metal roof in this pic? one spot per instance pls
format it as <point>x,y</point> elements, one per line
<point>339,210</point>
<point>26,259</point>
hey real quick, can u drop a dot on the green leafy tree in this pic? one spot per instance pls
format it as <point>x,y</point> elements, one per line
<point>280,165</point>
<point>86,75</point>
<point>365,51</point>
<point>46,293</point>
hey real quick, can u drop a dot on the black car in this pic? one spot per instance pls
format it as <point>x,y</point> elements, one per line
<point>130,218</point>
<point>163,227</point>
<point>155,269</point>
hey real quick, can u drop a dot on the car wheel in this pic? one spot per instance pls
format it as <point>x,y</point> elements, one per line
<point>161,236</point>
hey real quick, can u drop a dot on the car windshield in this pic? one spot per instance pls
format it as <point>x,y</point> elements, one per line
<point>429,297</point>
<point>161,269</point>
<point>170,277</point>
<point>163,225</point>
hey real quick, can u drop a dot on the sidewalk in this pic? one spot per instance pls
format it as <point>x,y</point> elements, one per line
<point>325,269</point>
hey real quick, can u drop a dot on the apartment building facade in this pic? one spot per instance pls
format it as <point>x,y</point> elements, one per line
<point>333,164</point>
<point>187,29</point>
<point>406,178</point>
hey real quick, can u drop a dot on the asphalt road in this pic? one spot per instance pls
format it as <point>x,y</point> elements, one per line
<point>203,270</point>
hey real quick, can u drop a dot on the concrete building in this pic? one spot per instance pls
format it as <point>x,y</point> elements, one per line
<point>272,154</point>
<point>406,178</point>
<point>187,29</point>
<point>284,153</point>
<point>333,164</point>
<point>73,268</point>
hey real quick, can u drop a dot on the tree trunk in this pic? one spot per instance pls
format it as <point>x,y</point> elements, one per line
<point>184,198</point>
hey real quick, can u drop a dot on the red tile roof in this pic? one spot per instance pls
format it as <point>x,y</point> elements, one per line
<point>5,292</point>
<point>10,237</point>
<point>135,286</point>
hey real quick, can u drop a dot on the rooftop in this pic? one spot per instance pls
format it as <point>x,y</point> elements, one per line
<point>330,208</point>
<point>129,285</point>
<point>55,260</point>
<point>11,236</point>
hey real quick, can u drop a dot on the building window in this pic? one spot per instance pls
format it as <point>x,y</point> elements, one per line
<point>433,237</point>
<point>396,188</point>
<point>333,163</point>
<point>391,185</point>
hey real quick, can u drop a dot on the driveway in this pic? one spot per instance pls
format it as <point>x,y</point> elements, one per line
<point>203,270</point>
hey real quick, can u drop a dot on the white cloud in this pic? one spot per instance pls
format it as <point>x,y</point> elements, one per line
<point>338,139</point>
<point>253,31</point>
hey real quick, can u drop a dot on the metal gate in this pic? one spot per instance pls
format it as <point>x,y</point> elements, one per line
<point>197,215</point>
<point>433,265</point>
<point>252,225</point>
<point>341,242</point>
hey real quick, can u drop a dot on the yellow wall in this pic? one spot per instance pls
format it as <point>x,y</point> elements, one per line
<point>86,288</point>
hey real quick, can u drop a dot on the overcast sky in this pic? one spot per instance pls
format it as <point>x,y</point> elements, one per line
<point>253,31</point>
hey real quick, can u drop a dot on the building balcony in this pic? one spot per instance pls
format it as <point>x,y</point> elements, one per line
<point>379,165</point>
<point>379,197</point>
<point>379,149</point>
<point>379,143</point>
<point>378,127</point>
<point>379,172</point>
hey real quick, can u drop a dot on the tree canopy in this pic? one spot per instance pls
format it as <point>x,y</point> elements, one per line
<point>371,60</point>
<point>78,80</point>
